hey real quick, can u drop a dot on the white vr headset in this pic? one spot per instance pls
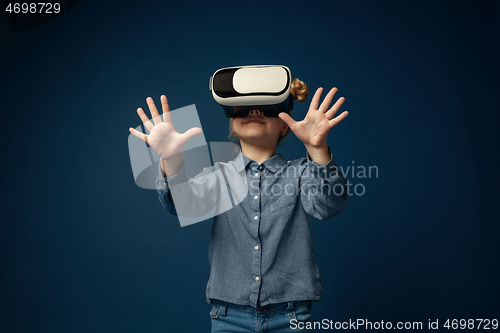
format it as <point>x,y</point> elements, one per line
<point>240,89</point>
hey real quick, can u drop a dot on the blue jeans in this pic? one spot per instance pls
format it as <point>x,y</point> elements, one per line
<point>276,318</point>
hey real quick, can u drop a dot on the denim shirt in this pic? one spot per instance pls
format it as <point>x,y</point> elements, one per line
<point>261,251</point>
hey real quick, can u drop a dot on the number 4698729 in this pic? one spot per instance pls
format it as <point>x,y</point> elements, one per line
<point>33,8</point>
<point>471,324</point>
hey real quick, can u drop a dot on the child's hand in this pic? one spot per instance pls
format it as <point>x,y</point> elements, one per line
<point>163,137</point>
<point>313,130</point>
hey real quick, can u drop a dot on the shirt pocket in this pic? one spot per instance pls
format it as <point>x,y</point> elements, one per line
<point>284,198</point>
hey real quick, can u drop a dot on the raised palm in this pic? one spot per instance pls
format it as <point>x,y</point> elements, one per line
<point>163,137</point>
<point>313,130</point>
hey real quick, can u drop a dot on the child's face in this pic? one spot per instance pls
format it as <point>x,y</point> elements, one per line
<point>258,128</point>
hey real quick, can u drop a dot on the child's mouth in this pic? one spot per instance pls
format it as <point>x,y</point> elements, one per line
<point>254,121</point>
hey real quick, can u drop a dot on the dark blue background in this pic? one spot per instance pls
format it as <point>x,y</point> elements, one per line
<point>83,249</point>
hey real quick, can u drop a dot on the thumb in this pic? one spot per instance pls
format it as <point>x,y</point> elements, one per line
<point>288,120</point>
<point>192,132</point>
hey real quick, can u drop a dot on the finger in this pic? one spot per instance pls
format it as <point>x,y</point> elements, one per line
<point>328,99</point>
<point>192,132</point>
<point>338,119</point>
<point>145,120</point>
<point>315,99</point>
<point>330,113</point>
<point>155,115</point>
<point>288,120</point>
<point>138,134</point>
<point>167,117</point>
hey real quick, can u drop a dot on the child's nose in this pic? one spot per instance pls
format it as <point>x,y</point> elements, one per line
<point>255,112</point>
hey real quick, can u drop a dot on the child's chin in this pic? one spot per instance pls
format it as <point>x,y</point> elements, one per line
<point>255,134</point>
<point>255,138</point>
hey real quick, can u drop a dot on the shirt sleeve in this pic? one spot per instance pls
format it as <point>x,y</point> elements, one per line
<point>188,197</point>
<point>324,190</point>
<point>164,191</point>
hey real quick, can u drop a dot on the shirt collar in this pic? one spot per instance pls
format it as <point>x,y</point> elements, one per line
<point>273,164</point>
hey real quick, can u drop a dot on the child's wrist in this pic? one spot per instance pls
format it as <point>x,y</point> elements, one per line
<point>320,155</point>
<point>171,165</point>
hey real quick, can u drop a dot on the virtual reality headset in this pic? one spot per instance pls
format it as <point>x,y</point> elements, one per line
<point>241,89</point>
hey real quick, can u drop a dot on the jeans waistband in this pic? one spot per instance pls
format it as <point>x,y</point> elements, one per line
<point>266,308</point>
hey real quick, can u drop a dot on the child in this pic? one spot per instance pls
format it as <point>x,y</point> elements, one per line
<point>264,276</point>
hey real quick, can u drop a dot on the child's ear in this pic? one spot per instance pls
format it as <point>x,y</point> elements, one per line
<point>284,129</point>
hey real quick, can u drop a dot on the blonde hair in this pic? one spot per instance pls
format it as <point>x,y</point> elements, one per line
<point>299,91</point>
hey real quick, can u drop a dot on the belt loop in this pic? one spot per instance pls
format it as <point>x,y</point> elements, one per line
<point>222,309</point>
<point>289,310</point>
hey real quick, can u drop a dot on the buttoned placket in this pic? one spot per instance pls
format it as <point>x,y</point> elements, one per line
<point>255,194</point>
<point>250,229</point>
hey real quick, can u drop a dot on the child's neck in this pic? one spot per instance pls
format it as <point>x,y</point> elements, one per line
<point>256,152</point>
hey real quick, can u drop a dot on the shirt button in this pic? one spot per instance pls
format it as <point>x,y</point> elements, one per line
<point>256,218</point>
<point>257,278</point>
<point>256,175</point>
<point>256,197</point>
<point>256,247</point>
<point>260,167</point>
<point>324,170</point>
